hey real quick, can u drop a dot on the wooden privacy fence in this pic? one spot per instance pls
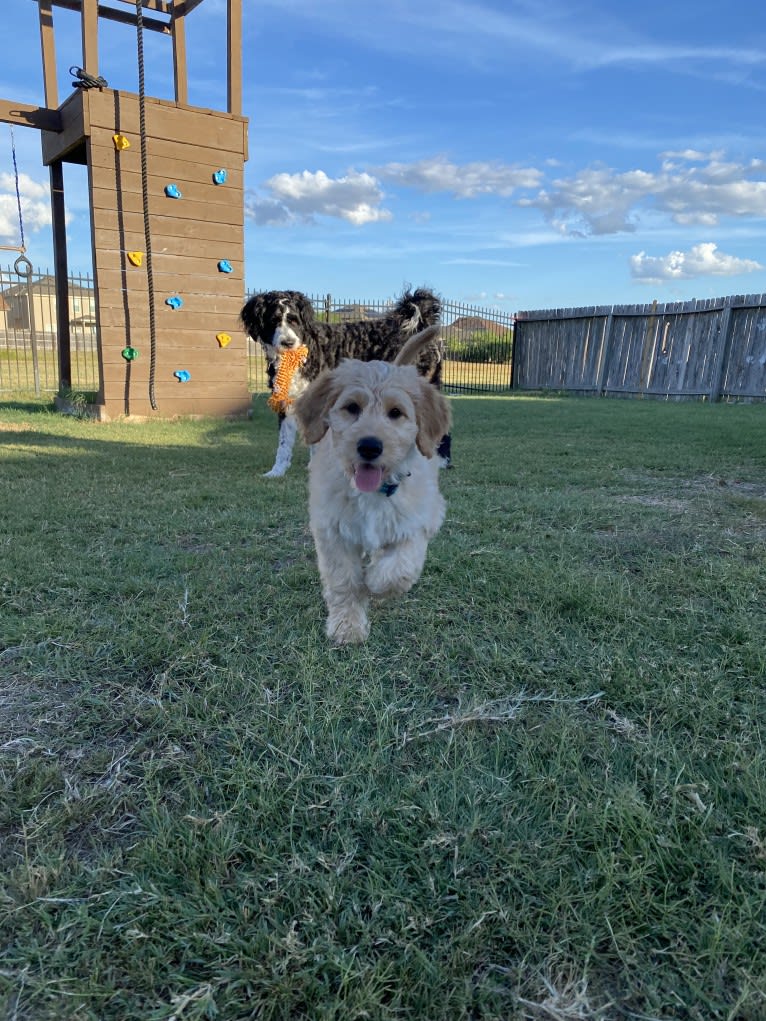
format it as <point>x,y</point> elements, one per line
<point>712,349</point>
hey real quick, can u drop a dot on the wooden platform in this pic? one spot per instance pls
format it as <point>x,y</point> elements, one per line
<point>185,146</point>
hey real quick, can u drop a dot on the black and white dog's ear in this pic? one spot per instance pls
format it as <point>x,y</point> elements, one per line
<point>253,316</point>
<point>313,406</point>
<point>303,307</point>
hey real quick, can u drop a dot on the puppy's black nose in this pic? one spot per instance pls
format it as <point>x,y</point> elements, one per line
<point>369,447</point>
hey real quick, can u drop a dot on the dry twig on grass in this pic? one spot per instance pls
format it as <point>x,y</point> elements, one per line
<point>501,710</point>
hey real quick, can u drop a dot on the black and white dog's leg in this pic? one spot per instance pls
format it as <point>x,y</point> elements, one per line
<point>444,450</point>
<point>288,430</point>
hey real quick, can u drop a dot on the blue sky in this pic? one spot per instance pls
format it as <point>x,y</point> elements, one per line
<point>519,154</point>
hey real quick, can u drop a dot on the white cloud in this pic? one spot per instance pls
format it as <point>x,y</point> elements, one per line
<point>355,198</point>
<point>464,181</point>
<point>698,189</point>
<point>700,261</point>
<point>35,206</point>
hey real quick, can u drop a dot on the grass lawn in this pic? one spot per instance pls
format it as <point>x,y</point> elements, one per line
<point>537,792</point>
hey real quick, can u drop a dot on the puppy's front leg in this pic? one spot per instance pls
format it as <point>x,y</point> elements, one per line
<point>288,430</point>
<point>344,591</point>
<point>396,568</point>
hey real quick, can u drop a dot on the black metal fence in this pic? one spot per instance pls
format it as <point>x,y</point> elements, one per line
<point>29,333</point>
<point>478,341</point>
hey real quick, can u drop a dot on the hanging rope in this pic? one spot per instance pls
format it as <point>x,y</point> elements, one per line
<point>145,195</point>
<point>22,247</point>
<point>22,265</point>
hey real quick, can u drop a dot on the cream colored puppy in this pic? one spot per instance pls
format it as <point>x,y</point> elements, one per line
<point>374,499</point>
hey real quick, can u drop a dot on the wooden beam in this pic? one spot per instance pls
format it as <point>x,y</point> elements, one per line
<point>234,62</point>
<point>189,5</point>
<point>112,14</point>
<point>180,71</point>
<point>48,46</point>
<point>29,116</point>
<point>163,6</point>
<point>90,37</point>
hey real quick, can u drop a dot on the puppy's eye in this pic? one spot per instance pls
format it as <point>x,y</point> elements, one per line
<point>395,413</point>
<point>352,408</point>
<point>291,317</point>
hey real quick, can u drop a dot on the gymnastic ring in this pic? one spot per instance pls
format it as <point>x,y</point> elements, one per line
<point>22,259</point>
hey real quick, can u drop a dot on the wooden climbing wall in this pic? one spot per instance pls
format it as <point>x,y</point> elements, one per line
<point>197,242</point>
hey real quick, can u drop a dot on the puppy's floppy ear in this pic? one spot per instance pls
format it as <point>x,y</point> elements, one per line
<point>313,407</point>
<point>434,417</point>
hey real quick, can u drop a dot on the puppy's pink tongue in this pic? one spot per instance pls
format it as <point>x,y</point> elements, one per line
<point>368,478</point>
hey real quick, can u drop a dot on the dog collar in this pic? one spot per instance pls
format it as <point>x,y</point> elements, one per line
<point>390,487</point>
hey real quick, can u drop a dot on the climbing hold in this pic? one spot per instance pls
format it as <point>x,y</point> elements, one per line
<point>136,258</point>
<point>223,339</point>
<point>225,266</point>
<point>219,177</point>
<point>120,142</point>
<point>172,191</point>
<point>182,375</point>
<point>174,301</point>
<point>129,353</point>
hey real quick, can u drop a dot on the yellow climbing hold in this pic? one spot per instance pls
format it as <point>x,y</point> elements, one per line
<point>289,363</point>
<point>136,258</point>
<point>120,142</point>
<point>223,339</point>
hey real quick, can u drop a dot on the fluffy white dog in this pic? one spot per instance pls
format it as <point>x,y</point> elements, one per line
<point>374,499</point>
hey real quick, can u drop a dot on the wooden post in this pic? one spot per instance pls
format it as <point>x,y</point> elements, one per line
<point>48,46</point>
<point>721,351</point>
<point>514,353</point>
<point>606,351</point>
<point>90,37</point>
<point>234,47</point>
<point>648,351</point>
<point>180,74</point>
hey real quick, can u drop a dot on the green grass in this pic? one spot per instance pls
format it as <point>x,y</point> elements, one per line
<point>538,791</point>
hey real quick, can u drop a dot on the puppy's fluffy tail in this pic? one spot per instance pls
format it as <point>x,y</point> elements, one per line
<point>415,345</point>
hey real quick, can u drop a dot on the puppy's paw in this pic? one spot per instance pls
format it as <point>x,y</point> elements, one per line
<point>392,575</point>
<point>348,628</point>
<point>275,473</point>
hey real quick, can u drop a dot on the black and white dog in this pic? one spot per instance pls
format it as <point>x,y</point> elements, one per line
<point>283,321</point>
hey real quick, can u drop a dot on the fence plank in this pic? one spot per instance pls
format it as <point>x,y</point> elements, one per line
<point>703,348</point>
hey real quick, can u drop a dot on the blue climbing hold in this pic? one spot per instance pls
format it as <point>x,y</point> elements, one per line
<point>182,375</point>
<point>172,191</point>
<point>219,177</point>
<point>225,266</point>
<point>174,301</point>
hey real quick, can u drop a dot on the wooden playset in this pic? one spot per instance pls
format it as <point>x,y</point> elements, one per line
<point>166,194</point>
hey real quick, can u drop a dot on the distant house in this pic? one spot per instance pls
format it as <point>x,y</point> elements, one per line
<point>355,313</point>
<point>463,327</point>
<point>15,305</point>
